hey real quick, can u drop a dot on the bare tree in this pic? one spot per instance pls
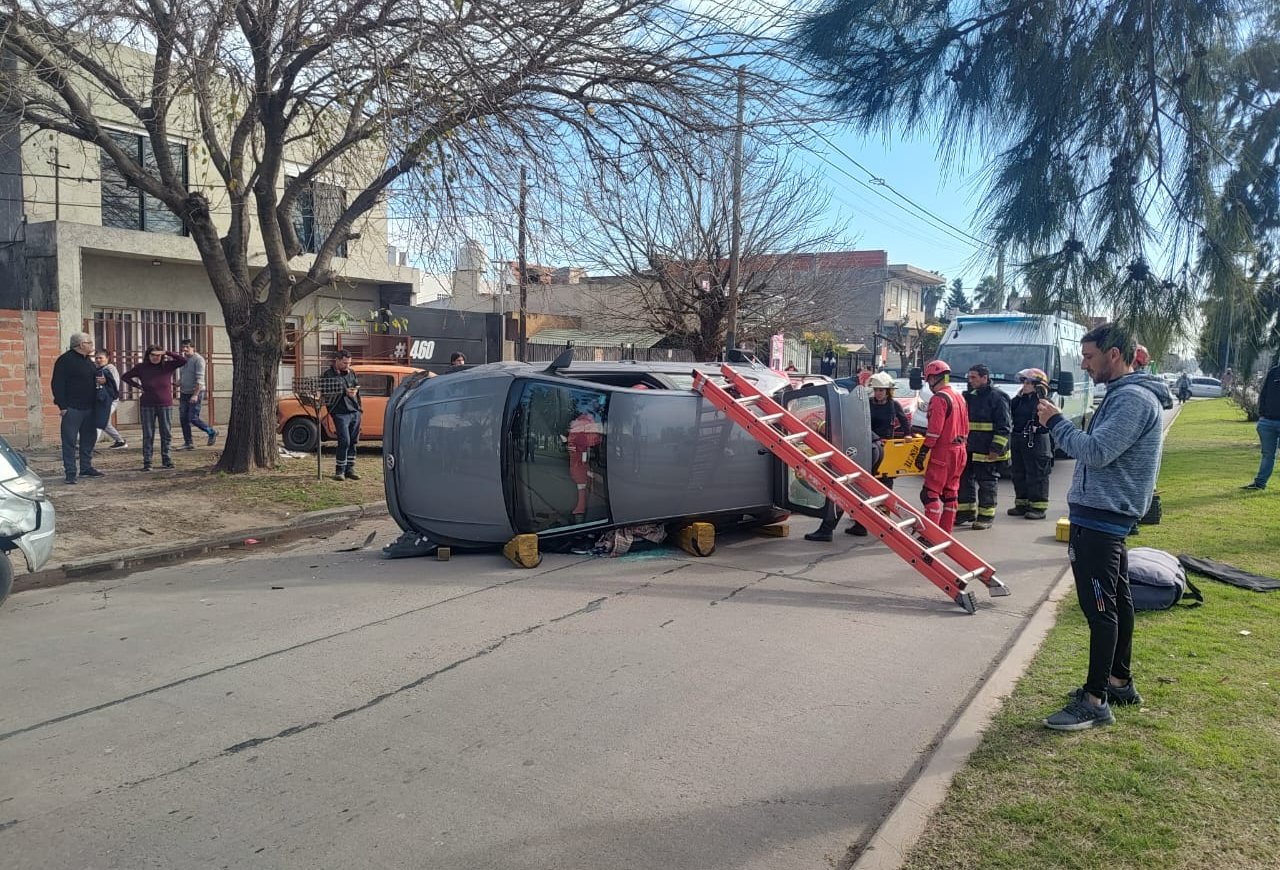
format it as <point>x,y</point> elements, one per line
<point>661,225</point>
<point>430,96</point>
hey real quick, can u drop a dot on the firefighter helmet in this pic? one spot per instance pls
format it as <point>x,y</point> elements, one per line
<point>880,381</point>
<point>937,367</point>
<point>1036,376</point>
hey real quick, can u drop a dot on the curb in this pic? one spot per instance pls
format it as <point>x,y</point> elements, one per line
<point>894,838</point>
<point>164,554</point>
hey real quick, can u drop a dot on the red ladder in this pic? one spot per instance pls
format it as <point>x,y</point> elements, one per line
<point>910,534</point>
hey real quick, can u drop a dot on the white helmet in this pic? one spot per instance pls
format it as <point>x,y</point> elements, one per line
<point>880,381</point>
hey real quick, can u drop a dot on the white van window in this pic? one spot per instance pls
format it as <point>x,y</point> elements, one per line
<point>1004,360</point>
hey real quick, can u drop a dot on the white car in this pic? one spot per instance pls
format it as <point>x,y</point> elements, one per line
<point>1207,388</point>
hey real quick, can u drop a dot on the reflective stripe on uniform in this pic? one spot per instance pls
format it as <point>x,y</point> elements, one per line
<point>981,427</point>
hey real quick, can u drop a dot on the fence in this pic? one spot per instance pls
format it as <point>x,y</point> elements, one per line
<point>125,335</point>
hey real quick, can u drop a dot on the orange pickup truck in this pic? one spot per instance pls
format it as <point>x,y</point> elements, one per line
<point>296,423</point>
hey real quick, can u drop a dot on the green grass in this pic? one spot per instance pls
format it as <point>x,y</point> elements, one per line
<point>293,485</point>
<point>1190,780</point>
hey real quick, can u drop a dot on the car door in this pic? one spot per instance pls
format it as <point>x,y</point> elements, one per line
<point>375,388</point>
<point>843,418</point>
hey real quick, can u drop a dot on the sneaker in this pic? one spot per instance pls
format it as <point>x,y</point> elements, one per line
<point>823,537</point>
<point>351,475</point>
<point>1080,715</point>
<point>213,438</point>
<point>339,476</point>
<point>1252,486</point>
<point>856,529</point>
<point>1018,510</point>
<point>91,472</point>
<point>146,468</point>
<point>187,447</point>
<point>168,463</point>
<point>1033,514</point>
<point>118,445</point>
<point>979,525</point>
<point>70,480</point>
<point>1122,695</point>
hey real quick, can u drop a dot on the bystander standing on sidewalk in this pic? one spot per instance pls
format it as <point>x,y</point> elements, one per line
<point>341,393</point>
<point>75,388</point>
<point>191,389</point>
<point>1117,461</point>
<point>107,370</point>
<point>1268,426</point>
<point>154,377</point>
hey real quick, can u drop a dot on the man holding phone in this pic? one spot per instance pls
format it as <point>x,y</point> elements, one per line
<point>342,396</point>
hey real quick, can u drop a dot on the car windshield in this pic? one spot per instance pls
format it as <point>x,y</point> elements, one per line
<point>1004,360</point>
<point>11,461</point>
<point>558,445</point>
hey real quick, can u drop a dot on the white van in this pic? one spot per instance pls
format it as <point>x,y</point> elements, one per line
<point>1010,341</point>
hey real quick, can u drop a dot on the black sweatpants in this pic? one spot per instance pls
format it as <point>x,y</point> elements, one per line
<point>1100,564</point>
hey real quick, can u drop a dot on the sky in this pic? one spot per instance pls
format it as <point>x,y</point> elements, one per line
<point>932,233</point>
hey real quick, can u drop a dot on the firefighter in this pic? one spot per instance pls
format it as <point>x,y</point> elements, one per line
<point>944,446</point>
<point>1031,448</point>
<point>888,420</point>
<point>989,427</point>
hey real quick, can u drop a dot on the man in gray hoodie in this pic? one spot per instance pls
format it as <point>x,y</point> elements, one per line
<point>1117,461</point>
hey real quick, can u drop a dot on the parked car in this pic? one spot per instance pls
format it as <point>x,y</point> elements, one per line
<point>296,423</point>
<point>1207,388</point>
<point>1099,393</point>
<point>27,519</point>
<point>477,456</point>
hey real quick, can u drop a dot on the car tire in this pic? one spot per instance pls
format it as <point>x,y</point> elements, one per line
<point>6,577</point>
<point>300,435</point>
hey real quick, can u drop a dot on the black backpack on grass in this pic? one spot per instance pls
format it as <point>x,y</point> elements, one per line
<point>1158,580</point>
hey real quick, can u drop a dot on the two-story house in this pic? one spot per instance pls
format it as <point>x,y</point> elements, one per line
<point>80,250</point>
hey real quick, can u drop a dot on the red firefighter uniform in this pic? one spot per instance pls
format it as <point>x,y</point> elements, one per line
<point>946,437</point>
<point>585,432</point>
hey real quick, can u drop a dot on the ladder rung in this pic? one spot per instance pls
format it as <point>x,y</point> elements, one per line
<point>822,457</point>
<point>848,477</point>
<point>937,548</point>
<point>798,436</point>
<point>748,400</point>
<point>970,575</point>
<point>878,499</point>
<point>770,418</point>
<point>908,522</point>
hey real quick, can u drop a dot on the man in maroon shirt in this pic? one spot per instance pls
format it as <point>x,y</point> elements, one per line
<point>154,377</point>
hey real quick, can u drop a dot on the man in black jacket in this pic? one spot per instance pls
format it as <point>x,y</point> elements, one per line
<point>75,390</point>
<point>990,424</point>
<point>1031,447</point>
<point>342,394</point>
<point>1268,426</point>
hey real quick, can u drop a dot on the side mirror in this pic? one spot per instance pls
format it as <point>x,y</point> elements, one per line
<point>1066,383</point>
<point>914,376</point>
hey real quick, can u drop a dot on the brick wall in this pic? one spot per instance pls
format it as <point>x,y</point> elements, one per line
<point>29,345</point>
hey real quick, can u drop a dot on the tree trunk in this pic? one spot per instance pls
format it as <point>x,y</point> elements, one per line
<point>251,431</point>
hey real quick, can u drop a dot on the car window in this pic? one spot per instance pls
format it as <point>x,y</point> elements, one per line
<point>374,385</point>
<point>1209,382</point>
<point>558,441</point>
<point>812,411</point>
<point>1004,360</point>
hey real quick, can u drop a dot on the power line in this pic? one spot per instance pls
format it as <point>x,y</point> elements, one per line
<point>878,181</point>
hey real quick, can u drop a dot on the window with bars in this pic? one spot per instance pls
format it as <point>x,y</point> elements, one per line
<point>315,212</point>
<point>126,207</point>
<point>125,333</point>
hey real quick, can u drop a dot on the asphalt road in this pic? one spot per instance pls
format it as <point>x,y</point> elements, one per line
<point>761,708</point>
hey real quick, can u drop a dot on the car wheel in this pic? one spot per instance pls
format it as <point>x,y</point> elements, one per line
<point>6,577</point>
<point>300,435</point>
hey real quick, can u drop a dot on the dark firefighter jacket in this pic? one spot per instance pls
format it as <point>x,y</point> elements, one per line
<point>990,423</point>
<point>1026,425</point>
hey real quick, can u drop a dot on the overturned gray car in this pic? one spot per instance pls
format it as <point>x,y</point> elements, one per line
<point>479,455</point>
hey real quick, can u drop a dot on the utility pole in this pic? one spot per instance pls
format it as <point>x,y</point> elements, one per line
<point>522,267</point>
<point>1004,303</point>
<point>735,228</point>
